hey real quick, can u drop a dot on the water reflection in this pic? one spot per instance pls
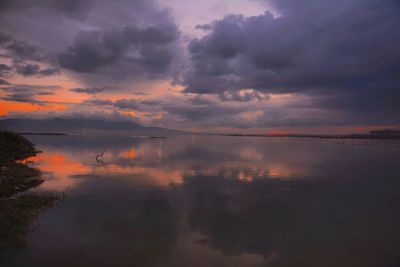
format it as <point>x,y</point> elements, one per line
<point>296,223</point>
<point>212,201</point>
<point>59,169</point>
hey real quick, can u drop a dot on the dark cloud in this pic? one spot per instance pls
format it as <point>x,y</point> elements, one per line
<point>99,102</point>
<point>90,90</point>
<point>130,104</point>
<point>140,40</point>
<point>5,70</point>
<point>49,71</point>
<point>125,104</point>
<point>204,27</point>
<point>346,51</point>
<point>151,102</point>
<point>142,45</point>
<point>27,93</point>
<point>206,114</point>
<point>25,50</point>
<point>28,70</point>
<point>140,51</point>
<point>4,38</point>
<point>191,109</point>
<point>16,97</point>
<point>89,53</point>
<point>209,111</point>
<point>4,82</point>
<point>242,96</point>
<point>34,69</point>
<point>20,52</point>
<point>73,8</point>
<point>199,100</point>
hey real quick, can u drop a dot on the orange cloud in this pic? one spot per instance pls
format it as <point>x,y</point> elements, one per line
<point>9,106</point>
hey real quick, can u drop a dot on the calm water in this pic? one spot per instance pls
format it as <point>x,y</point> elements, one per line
<point>216,201</point>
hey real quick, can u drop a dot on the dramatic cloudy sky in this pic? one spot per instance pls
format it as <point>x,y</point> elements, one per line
<point>221,65</point>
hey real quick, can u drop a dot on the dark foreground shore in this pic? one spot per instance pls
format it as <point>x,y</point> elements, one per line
<point>18,206</point>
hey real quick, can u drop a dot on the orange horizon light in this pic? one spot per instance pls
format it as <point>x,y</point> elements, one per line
<point>9,106</point>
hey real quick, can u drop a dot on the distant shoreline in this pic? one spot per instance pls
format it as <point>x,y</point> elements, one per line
<point>32,133</point>
<point>349,136</point>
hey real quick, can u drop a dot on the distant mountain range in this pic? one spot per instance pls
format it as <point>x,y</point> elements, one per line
<point>64,125</point>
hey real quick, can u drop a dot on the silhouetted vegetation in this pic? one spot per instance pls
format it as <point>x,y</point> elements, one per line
<point>18,207</point>
<point>14,147</point>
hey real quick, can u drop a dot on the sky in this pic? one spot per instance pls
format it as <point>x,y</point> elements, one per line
<point>249,66</point>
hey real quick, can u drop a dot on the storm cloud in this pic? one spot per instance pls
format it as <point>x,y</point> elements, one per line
<point>135,39</point>
<point>21,53</point>
<point>344,53</point>
<point>131,49</point>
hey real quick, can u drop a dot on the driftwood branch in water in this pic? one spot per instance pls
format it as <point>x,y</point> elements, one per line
<point>98,156</point>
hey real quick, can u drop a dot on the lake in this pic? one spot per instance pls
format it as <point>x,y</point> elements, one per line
<point>216,201</point>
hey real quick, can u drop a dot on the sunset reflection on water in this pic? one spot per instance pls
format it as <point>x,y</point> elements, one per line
<point>215,201</point>
<point>156,160</point>
<point>58,170</point>
<point>146,159</point>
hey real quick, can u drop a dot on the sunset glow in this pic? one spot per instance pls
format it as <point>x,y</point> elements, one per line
<point>218,133</point>
<point>10,107</point>
<point>216,66</point>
